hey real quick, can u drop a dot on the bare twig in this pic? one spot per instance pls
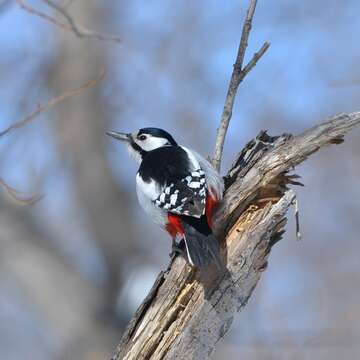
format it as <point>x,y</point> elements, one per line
<point>54,101</point>
<point>79,30</point>
<point>42,15</point>
<point>19,196</point>
<point>237,77</point>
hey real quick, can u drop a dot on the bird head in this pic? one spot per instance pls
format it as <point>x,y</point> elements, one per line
<point>143,141</point>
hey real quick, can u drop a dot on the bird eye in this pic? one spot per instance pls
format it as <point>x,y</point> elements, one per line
<point>142,137</point>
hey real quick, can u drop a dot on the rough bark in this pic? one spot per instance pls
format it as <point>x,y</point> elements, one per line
<point>187,312</point>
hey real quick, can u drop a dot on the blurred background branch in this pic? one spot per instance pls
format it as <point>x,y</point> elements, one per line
<point>18,196</point>
<point>51,103</point>
<point>79,30</point>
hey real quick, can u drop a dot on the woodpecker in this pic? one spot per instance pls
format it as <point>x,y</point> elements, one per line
<point>179,189</point>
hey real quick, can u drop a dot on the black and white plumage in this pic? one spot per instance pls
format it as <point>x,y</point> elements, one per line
<point>178,188</point>
<point>186,196</point>
<point>181,182</point>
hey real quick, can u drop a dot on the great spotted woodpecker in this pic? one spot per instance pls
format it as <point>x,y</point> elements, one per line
<point>179,189</point>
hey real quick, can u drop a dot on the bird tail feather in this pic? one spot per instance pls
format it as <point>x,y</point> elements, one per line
<point>202,250</point>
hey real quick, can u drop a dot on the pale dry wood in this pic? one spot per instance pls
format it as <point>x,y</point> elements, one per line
<point>188,312</point>
<point>237,76</point>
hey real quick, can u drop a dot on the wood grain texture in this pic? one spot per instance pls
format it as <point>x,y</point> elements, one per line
<point>187,312</point>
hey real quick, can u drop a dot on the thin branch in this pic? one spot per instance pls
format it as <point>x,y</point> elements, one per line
<point>18,196</point>
<point>67,16</point>
<point>42,15</point>
<point>54,101</point>
<point>71,25</point>
<point>251,64</point>
<point>237,77</point>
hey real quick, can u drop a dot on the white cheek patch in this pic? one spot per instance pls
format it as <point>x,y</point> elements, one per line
<point>152,143</point>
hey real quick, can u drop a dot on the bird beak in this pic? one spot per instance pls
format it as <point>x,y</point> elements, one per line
<point>119,136</point>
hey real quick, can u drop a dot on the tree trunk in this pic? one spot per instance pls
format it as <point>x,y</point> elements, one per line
<point>187,312</point>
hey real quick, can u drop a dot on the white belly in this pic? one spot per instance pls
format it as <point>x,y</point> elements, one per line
<point>146,193</point>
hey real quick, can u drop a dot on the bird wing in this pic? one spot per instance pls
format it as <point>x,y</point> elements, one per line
<point>186,196</point>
